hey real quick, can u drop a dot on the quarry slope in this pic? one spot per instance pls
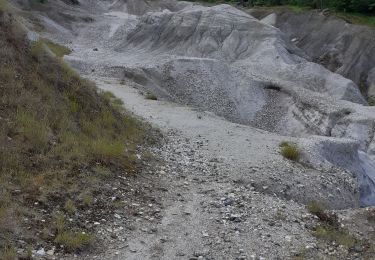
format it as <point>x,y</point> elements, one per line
<point>337,44</point>
<point>230,89</point>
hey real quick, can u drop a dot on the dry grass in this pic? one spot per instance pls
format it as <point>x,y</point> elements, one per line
<point>56,49</point>
<point>8,253</point>
<point>69,207</point>
<point>55,132</point>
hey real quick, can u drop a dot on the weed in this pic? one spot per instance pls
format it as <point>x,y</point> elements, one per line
<point>70,207</point>
<point>290,151</point>
<point>57,49</point>
<point>59,222</point>
<point>104,150</point>
<point>331,234</point>
<point>315,208</point>
<point>8,253</point>
<point>87,199</point>
<point>74,241</point>
<point>329,229</point>
<point>284,143</point>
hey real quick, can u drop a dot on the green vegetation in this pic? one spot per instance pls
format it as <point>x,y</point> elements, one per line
<point>289,151</point>
<point>3,5</point>
<point>315,208</point>
<point>69,207</point>
<point>338,235</point>
<point>56,131</point>
<point>8,253</point>
<point>73,241</point>
<point>57,49</point>
<point>330,229</point>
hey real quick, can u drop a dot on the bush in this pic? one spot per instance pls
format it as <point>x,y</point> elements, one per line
<point>290,151</point>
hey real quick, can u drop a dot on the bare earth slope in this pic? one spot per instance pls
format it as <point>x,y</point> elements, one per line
<point>230,89</point>
<point>341,47</point>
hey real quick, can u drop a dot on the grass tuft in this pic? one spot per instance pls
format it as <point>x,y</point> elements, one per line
<point>289,151</point>
<point>69,207</point>
<point>74,241</point>
<point>331,234</point>
<point>329,228</point>
<point>8,253</point>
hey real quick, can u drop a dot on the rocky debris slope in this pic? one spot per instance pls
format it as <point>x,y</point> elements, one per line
<point>237,67</point>
<point>344,48</point>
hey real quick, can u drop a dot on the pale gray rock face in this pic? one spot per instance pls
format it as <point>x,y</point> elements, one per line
<point>344,48</point>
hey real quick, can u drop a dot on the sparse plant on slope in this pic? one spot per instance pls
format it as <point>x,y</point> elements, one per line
<point>289,151</point>
<point>329,228</point>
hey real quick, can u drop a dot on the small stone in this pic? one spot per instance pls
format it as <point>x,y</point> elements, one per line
<point>51,252</point>
<point>41,252</point>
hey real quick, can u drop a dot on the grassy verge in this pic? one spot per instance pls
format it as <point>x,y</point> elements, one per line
<point>61,140</point>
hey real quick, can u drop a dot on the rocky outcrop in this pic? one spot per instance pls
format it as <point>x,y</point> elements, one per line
<point>344,48</point>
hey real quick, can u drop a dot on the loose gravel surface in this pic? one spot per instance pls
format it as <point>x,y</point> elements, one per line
<point>203,208</point>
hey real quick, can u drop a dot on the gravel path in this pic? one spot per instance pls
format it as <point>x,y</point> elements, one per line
<point>210,207</point>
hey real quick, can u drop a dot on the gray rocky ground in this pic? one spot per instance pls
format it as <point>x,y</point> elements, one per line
<point>337,44</point>
<point>230,89</point>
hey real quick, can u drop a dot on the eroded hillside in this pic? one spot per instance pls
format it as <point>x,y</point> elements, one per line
<point>268,154</point>
<point>62,147</point>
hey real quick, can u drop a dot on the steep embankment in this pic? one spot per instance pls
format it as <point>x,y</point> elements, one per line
<point>60,141</point>
<point>342,47</point>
